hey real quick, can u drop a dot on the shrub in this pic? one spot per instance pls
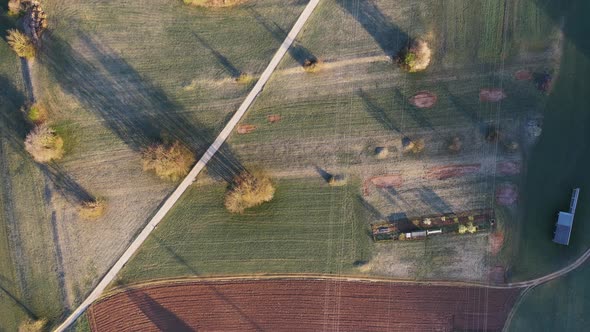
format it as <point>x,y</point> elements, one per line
<point>44,144</point>
<point>14,7</point>
<point>244,78</point>
<point>455,144</point>
<point>33,325</point>
<point>93,209</point>
<point>20,44</point>
<point>462,229</point>
<point>337,180</point>
<point>37,114</point>
<point>249,190</point>
<point>311,65</point>
<point>402,236</point>
<point>170,162</point>
<point>416,57</point>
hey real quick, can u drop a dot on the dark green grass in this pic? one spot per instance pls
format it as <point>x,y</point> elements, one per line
<point>308,227</point>
<point>560,162</point>
<point>560,305</point>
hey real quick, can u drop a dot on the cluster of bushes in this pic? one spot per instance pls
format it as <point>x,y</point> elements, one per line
<point>469,228</point>
<point>34,23</point>
<point>168,161</point>
<point>416,57</point>
<point>249,190</point>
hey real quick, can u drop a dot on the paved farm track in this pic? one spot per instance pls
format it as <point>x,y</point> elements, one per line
<point>302,304</point>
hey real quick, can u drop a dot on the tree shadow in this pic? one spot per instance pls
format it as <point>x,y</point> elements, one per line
<point>377,112</point>
<point>323,173</point>
<point>138,112</point>
<point>65,184</point>
<point>218,293</point>
<point>164,319</point>
<point>468,111</point>
<point>221,59</point>
<point>434,200</point>
<point>414,112</point>
<point>388,36</point>
<point>297,51</point>
<point>373,211</point>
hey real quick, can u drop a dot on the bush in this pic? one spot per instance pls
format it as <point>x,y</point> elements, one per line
<point>33,326</point>
<point>14,7</point>
<point>416,57</point>
<point>470,228</point>
<point>249,190</point>
<point>93,209</point>
<point>20,44</point>
<point>44,144</point>
<point>337,180</point>
<point>170,162</point>
<point>37,114</point>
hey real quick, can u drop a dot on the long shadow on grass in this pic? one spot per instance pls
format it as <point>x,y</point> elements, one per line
<point>138,112</point>
<point>389,36</point>
<point>183,262</point>
<point>378,113</point>
<point>434,200</point>
<point>221,59</point>
<point>297,51</point>
<point>14,128</point>
<point>164,319</point>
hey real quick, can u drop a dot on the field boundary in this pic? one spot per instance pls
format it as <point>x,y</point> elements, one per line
<point>528,284</point>
<point>190,178</point>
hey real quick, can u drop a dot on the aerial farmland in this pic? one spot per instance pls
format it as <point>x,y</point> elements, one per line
<point>327,158</point>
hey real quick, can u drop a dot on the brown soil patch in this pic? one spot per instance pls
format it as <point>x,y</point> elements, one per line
<point>496,242</point>
<point>302,305</point>
<point>491,95</point>
<point>387,181</point>
<point>506,194</point>
<point>217,3</point>
<point>508,168</point>
<point>423,99</point>
<point>523,75</point>
<point>384,181</point>
<point>273,118</point>
<point>447,172</point>
<point>246,128</point>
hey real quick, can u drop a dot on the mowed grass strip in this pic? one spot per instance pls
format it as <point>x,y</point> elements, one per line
<point>28,282</point>
<point>308,227</point>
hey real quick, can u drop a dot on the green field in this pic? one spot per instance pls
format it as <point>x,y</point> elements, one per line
<point>331,121</point>
<point>559,162</point>
<point>29,283</point>
<point>560,305</point>
<point>115,76</point>
<point>308,227</point>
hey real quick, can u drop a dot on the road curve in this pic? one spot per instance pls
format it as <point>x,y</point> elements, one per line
<point>190,178</point>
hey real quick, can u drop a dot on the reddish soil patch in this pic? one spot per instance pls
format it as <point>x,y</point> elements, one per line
<point>508,168</point>
<point>491,95</point>
<point>423,99</point>
<point>273,118</point>
<point>506,195</point>
<point>496,242</point>
<point>302,305</point>
<point>447,172</point>
<point>246,128</point>
<point>523,75</point>
<point>384,181</point>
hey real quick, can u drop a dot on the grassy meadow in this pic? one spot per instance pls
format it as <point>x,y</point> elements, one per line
<point>331,121</point>
<point>308,227</point>
<point>29,264</point>
<point>115,76</point>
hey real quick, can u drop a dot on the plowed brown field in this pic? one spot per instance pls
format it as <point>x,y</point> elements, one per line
<point>302,305</point>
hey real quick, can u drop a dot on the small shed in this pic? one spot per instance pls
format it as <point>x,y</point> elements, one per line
<point>565,221</point>
<point>563,229</point>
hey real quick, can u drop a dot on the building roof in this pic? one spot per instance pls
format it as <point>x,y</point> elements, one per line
<point>563,229</point>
